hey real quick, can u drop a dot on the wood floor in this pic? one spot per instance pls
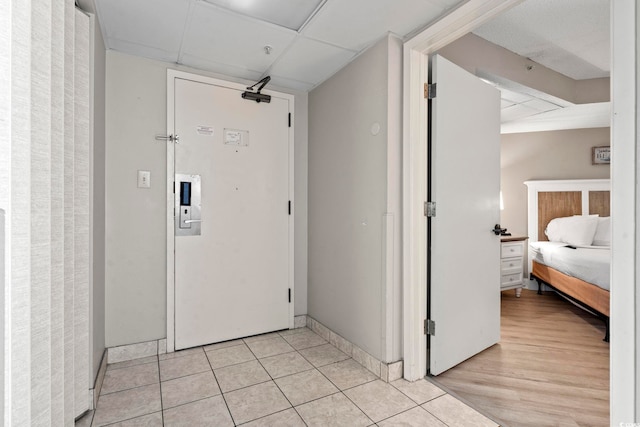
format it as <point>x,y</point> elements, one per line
<point>551,367</point>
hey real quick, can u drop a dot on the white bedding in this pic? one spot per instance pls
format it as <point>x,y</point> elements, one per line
<point>589,263</point>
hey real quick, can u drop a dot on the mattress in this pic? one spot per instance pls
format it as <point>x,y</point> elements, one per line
<point>589,263</point>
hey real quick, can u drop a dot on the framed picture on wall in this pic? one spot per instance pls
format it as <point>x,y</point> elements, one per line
<point>601,155</point>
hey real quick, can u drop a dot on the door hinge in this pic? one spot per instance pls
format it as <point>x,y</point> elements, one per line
<point>289,207</point>
<point>289,119</point>
<point>170,138</point>
<point>430,209</point>
<point>429,327</point>
<point>289,294</point>
<point>429,91</point>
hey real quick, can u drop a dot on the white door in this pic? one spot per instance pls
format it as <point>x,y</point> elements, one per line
<point>465,184</point>
<point>234,279</point>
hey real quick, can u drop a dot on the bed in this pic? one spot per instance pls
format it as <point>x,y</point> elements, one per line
<point>578,272</point>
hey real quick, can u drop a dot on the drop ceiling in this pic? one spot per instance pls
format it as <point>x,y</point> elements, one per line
<point>571,37</point>
<point>301,43</point>
<point>567,36</point>
<point>308,40</point>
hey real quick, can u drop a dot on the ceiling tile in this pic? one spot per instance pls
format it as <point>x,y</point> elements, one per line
<point>516,112</point>
<point>540,105</point>
<point>288,83</point>
<point>356,24</point>
<point>224,69</point>
<point>504,103</point>
<point>575,117</point>
<point>515,97</point>
<point>157,24</point>
<point>224,37</point>
<point>287,13</point>
<point>311,61</point>
<point>568,36</point>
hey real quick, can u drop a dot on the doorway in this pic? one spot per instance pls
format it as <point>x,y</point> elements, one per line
<point>448,29</point>
<point>230,244</point>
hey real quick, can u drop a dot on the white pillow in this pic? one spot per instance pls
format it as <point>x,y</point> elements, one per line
<point>573,230</point>
<point>602,237</point>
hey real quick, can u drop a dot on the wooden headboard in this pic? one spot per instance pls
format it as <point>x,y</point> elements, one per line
<point>554,199</point>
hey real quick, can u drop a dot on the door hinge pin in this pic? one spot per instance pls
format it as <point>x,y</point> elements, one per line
<point>430,209</point>
<point>289,294</point>
<point>429,327</point>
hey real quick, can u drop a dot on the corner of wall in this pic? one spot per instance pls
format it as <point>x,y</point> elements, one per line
<point>99,184</point>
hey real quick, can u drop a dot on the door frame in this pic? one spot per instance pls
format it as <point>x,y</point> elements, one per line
<point>456,24</point>
<point>170,224</point>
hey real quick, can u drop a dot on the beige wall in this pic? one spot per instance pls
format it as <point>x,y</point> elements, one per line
<point>354,205</point>
<point>564,154</point>
<point>136,218</point>
<point>475,54</point>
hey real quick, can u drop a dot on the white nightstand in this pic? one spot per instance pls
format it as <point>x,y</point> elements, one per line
<point>512,263</point>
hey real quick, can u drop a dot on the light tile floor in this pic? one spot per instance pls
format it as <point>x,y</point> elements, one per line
<point>288,378</point>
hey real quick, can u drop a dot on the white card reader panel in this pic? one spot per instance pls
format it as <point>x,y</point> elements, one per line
<point>188,214</point>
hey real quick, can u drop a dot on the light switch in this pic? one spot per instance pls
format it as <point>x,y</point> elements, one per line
<point>144,179</point>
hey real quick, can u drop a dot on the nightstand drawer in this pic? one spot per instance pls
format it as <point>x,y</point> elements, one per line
<point>511,265</point>
<point>511,279</point>
<point>512,250</point>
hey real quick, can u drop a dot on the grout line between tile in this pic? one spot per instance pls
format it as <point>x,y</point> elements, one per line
<point>319,398</point>
<point>359,408</point>
<point>366,382</point>
<point>116,368</point>
<point>407,410</point>
<point>465,401</point>
<point>410,398</point>
<point>161,402</point>
<point>182,376</point>
<point>233,364</point>
<point>129,419</point>
<point>265,416</point>
<point>224,399</point>
<point>126,389</point>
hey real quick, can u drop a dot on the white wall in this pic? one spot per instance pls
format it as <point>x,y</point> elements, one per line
<point>136,218</point>
<point>625,210</point>
<point>354,181</point>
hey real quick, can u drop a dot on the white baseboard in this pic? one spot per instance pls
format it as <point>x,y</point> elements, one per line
<point>136,351</point>
<point>94,393</point>
<point>385,371</point>
<point>300,321</point>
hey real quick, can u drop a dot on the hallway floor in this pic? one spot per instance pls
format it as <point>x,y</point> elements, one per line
<point>287,378</point>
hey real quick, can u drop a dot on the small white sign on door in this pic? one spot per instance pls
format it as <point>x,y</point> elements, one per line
<point>205,130</point>
<point>236,137</point>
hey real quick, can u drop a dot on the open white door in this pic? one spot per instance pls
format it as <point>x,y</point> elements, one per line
<point>465,184</point>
